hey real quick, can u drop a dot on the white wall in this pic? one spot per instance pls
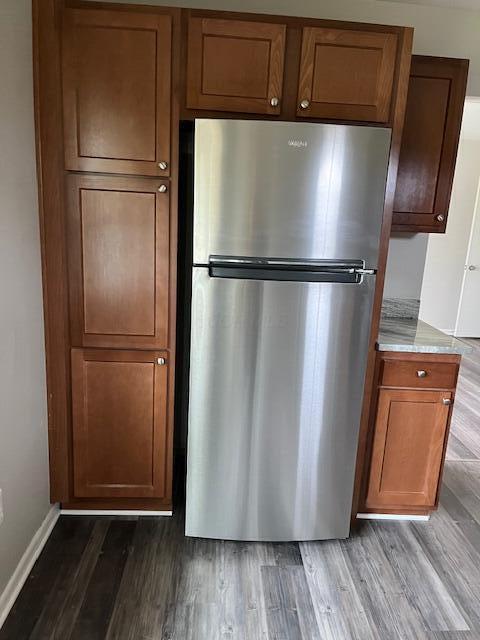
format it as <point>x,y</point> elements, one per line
<point>446,253</point>
<point>23,430</point>
<point>406,260</point>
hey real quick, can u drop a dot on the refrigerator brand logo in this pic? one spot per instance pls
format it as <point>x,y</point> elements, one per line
<point>297,143</point>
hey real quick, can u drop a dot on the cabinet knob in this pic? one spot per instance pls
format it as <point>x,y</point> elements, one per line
<point>163,165</point>
<point>421,374</point>
<point>304,104</point>
<point>440,217</point>
<point>446,401</point>
<point>274,101</point>
<point>471,267</point>
<point>162,188</point>
<point>161,361</point>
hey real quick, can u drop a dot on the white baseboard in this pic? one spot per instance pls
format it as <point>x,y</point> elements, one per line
<point>20,575</point>
<point>113,512</point>
<point>391,516</point>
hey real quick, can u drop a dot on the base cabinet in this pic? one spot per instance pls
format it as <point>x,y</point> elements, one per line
<point>119,423</point>
<point>410,431</point>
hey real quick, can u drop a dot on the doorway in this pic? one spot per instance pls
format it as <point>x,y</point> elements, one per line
<point>450,295</point>
<point>468,317</point>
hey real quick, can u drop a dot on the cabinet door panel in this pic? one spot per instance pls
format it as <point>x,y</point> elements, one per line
<point>346,75</point>
<point>119,424</point>
<point>116,84</point>
<point>409,439</point>
<point>235,65</point>
<point>118,262</point>
<point>431,132</point>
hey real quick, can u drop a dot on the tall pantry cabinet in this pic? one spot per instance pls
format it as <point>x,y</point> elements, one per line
<point>117,123</point>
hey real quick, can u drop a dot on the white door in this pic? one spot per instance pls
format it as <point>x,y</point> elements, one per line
<point>468,318</point>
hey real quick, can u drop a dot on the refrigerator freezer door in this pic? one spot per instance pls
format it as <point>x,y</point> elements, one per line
<point>288,190</point>
<point>276,388</point>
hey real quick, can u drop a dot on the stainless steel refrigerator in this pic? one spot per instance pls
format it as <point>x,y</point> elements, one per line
<point>286,232</point>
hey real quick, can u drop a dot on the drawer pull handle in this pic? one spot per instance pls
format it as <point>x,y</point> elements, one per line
<point>421,374</point>
<point>161,361</point>
<point>446,401</point>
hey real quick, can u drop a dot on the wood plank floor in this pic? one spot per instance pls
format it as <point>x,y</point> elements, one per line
<point>141,579</point>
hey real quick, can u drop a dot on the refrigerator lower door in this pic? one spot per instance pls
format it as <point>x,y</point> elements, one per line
<point>276,386</point>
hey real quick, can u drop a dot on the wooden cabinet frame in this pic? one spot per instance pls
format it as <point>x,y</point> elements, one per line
<point>47,21</point>
<point>47,25</point>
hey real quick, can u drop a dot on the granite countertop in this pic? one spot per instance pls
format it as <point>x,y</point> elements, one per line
<point>401,330</point>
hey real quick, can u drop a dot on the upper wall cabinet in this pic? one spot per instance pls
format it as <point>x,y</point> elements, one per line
<point>431,132</point>
<point>346,75</point>
<point>118,252</point>
<point>116,91</point>
<point>235,65</point>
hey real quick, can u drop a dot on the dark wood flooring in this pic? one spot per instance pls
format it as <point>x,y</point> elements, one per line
<point>141,579</point>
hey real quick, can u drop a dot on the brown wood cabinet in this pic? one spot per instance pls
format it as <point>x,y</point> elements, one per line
<point>234,65</point>
<point>410,425</point>
<point>118,77</point>
<point>119,423</point>
<point>430,138</point>
<point>118,251</point>
<point>410,432</point>
<point>346,75</point>
<point>117,91</point>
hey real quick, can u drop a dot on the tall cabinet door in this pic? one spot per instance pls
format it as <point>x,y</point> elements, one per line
<point>118,252</point>
<point>119,424</point>
<point>346,74</point>
<point>116,91</point>
<point>410,433</point>
<point>234,65</point>
<point>433,117</point>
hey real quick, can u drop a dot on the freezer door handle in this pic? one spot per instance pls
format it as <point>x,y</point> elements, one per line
<point>285,263</point>
<point>347,276</point>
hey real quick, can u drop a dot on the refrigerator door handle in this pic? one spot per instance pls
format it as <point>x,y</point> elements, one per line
<point>346,276</point>
<point>286,263</point>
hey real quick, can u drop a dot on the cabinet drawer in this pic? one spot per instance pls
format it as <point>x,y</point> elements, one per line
<point>415,373</point>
